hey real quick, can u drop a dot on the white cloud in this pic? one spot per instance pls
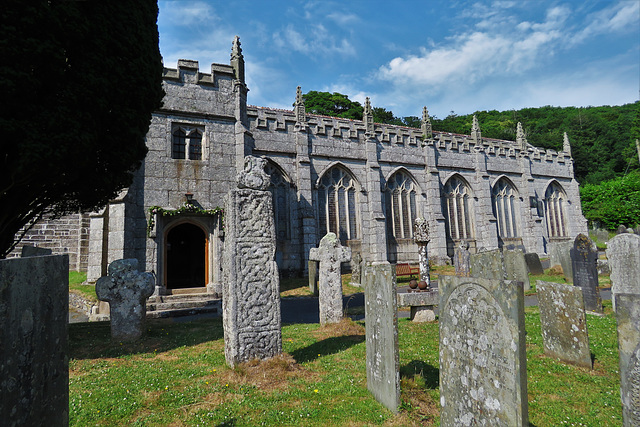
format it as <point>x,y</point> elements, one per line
<point>186,13</point>
<point>318,40</point>
<point>620,17</point>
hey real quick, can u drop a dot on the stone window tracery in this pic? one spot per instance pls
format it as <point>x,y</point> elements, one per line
<point>505,208</point>
<point>555,210</point>
<point>186,140</point>
<point>457,206</point>
<point>279,189</point>
<point>337,204</point>
<point>401,205</point>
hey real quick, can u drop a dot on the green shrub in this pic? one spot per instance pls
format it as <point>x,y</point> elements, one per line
<point>613,202</point>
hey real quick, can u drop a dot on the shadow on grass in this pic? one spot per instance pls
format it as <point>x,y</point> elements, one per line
<point>230,423</point>
<point>325,347</point>
<point>93,340</point>
<point>430,374</point>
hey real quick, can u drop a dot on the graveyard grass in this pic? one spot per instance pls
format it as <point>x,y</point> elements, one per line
<point>176,375</point>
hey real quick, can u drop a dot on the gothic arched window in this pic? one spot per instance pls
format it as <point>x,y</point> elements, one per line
<point>555,210</point>
<point>179,146</point>
<point>505,208</point>
<point>457,199</point>
<point>337,204</point>
<point>186,142</point>
<point>401,205</point>
<point>195,145</point>
<point>280,191</point>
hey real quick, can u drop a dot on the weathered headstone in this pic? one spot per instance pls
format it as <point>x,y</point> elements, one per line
<point>330,254</point>
<point>483,375</point>
<point>381,329</point>
<point>622,229</point>
<point>584,256</point>
<point>34,365</point>
<point>126,290</point>
<point>313,277</point>
<point>515,267</point>
<point>601,235</point>
<point>356,269</point>
<point>628,318</point>
<point>487,265</point>
<point>29,251</point>
<point>251,295</point>
<point>563,322</point>
<point>560,254</point>
<point>462,259</point>
<point>623,254</point>
<point>421,238</point>
<point>533,263</point>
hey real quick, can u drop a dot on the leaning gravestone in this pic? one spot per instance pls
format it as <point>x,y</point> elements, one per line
<point>381,329</point>
<point>560,254</point>
<point>313,277</point>
<point>483,372</point>
<point>126,290</point>
<point>584,257</point>
<point>533,263</point>
<point>330,254</point>
<point>34,365</point>
<point>563,322</point>
<point>623,253</point>
<point>251,295</point>
<point>515,267</point>
<point>628,318</point>
<point>462,259</point>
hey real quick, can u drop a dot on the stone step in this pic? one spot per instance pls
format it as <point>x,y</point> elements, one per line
<point>182,297</point>
<point>161,314</point>
<point>180,304</point>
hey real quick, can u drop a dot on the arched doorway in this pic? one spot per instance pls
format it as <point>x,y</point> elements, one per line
<point>186,257</point>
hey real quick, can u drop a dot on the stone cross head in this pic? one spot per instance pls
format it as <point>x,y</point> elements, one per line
<point>421,231</point>
<point>253,175</point>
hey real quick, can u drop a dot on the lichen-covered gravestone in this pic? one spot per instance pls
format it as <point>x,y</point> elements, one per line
<point>563,323</point>
<point>560,254</point>
<point>623,253</point>
<point>628,318</point>
<point>421,238</point>
<point>515,267</point>
<point>251,294</point>
<point>487,265</point>
<point>34,365</point>
<point>462,259</point>
<point>381,329</point>
<point>313,277</point>
<point>483,373</point>
<point>584,260</point>
<point>126,290</point>
<point>331,254</point>
<point>356,269</point>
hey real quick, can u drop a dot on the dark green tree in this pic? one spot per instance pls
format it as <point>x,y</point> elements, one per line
<point>332,104</point>
<point>78,81</point>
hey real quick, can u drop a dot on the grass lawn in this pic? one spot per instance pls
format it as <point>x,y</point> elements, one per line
<point>176,375</point>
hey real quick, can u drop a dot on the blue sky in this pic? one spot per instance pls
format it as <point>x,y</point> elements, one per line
<point>451,55</point>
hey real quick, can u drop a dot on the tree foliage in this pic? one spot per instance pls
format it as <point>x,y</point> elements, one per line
<point>79,81</point>
<point>613,202</point>
<point>332,104</point>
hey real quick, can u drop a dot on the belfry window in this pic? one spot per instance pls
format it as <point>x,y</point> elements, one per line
<point>505,208</point>
<point>280,191</point>
<point>186,140</point>
<point>555,210</point>
<point>401,205</point>
<point>457,206</point>
<point>337,204</point>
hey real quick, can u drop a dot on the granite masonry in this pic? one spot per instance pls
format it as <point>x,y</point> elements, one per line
<point>563,322</point>
<point>623,253</point>
<point>34,364</point>
<point>251,294</point>
<point>628,318</point>
<point>483,373</point>
<point>126,290</point>
<point>330,255</point>
<point>381,330</point>
<point>367,182</point>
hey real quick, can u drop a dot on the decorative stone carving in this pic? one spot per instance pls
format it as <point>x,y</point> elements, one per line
<point>251,294</point>
<point>462,259</point>
<point>330,254</point>
<point>126,290</point>
<point>422,238</point>
<point>253,175</point>
<point>356,270</point>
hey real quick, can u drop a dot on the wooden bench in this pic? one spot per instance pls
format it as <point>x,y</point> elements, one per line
<point>404,269</point>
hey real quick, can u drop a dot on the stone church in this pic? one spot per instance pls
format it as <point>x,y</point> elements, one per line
<point>365,181</point>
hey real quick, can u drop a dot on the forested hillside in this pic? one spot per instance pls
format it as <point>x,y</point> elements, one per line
<point>602,138</point>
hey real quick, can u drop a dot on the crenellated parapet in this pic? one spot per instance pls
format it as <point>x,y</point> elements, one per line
<point>187,71</point>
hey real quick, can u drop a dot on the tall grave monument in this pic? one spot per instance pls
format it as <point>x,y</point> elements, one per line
<point>584,261</point>
<point>421,238</point>
<point>483,371</point>
<point>628,318</point>
<point>381,329</point>
<point>251,294</point>
<point>330,254</point>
